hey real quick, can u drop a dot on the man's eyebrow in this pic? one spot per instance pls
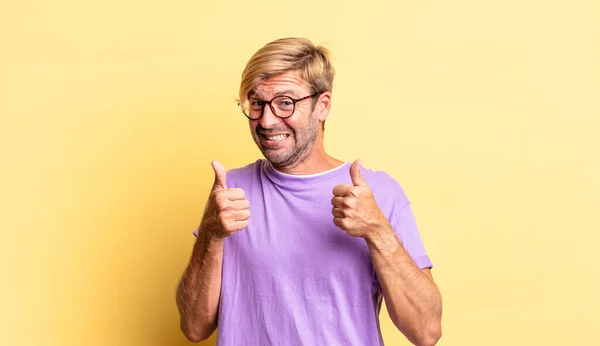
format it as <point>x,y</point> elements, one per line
<point>286,92</point>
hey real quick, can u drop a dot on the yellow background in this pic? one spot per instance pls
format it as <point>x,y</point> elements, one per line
<point>487,113</point>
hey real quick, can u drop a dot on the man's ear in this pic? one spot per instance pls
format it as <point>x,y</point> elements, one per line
<point>323,105</point>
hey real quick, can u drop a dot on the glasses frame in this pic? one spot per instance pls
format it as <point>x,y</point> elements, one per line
<point>294,101</point>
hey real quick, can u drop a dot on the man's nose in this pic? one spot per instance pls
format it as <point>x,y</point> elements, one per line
<point>268,119</point>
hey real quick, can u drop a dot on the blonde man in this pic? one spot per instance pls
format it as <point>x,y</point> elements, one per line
<point>299,247</point>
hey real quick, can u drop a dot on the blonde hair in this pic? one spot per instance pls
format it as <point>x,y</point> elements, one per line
<point>286,54</point>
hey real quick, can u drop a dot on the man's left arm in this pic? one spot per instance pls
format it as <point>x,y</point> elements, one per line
<point>412,298</point>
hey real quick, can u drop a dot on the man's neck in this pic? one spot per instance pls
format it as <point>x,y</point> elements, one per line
<point>317,162</point>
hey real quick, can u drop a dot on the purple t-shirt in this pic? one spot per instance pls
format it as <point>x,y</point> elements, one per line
<point>292,277</point>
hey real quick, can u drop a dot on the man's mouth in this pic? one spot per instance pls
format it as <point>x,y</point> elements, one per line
<point>275,138</point>
<point>274,141</point>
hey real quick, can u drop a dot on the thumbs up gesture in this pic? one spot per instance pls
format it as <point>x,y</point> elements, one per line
<point>227,210</point>
<point>355,210</point>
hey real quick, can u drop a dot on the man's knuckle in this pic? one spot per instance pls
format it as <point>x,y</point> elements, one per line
<point>229,227</point>
<point>224,216</point>
<point>350,202</point>
<point>220,199</point>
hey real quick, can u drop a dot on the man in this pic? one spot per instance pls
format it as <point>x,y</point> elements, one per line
<point>300,248</point>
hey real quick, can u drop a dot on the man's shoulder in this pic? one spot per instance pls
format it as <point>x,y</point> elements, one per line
<point>242,174</point>
<point>380,178</point>
<point>245,169</point>
<point>384,185</point>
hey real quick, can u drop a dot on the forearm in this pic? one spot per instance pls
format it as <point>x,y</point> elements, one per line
<point>200,286</point>
<point>412,298</point>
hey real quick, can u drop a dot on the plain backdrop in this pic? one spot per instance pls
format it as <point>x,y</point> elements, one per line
<point>487,113</point>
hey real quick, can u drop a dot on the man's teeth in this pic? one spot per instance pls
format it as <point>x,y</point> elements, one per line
<point>276,138</point>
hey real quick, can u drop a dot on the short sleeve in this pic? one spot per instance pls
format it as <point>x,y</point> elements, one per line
<point>404,224</point>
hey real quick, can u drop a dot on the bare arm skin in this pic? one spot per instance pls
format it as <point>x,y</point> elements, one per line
<point>199,289</point>
<point>227,211</point>
<point>413,300</point>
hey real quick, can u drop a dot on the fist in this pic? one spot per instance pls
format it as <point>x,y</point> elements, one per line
<point>355,210</point>
<point>227,210</point>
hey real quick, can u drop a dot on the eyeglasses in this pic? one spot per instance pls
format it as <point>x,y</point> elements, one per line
<point>282,106</point>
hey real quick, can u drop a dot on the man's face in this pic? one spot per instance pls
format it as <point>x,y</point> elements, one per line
<point>285,142</point>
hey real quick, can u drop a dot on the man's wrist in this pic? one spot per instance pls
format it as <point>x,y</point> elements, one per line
<point>382,237</point>
<point>208,234</point>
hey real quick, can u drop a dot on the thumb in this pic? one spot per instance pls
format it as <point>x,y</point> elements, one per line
<point>357,179</point>
<point>220,175</point>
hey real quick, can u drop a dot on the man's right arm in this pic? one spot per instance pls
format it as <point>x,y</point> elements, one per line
<point>227,211</point>
<point>200,287</point>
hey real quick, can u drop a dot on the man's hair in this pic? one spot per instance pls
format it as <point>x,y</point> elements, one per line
<point>287,54</point>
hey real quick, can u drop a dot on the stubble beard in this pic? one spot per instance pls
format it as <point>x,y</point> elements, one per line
<point>294,154</point>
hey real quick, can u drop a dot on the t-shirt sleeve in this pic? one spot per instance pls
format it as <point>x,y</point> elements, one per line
<point>400,215</point>
<point>404,224</point>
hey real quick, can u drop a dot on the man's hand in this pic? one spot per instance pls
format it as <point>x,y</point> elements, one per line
<point>355,210</point>
<point>227,210</point>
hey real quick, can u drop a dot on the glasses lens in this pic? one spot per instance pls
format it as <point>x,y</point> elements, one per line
<point>252,108</point>
<point>284,106</point>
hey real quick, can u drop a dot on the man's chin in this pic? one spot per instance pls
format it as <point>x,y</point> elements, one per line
<point>275,160</point>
